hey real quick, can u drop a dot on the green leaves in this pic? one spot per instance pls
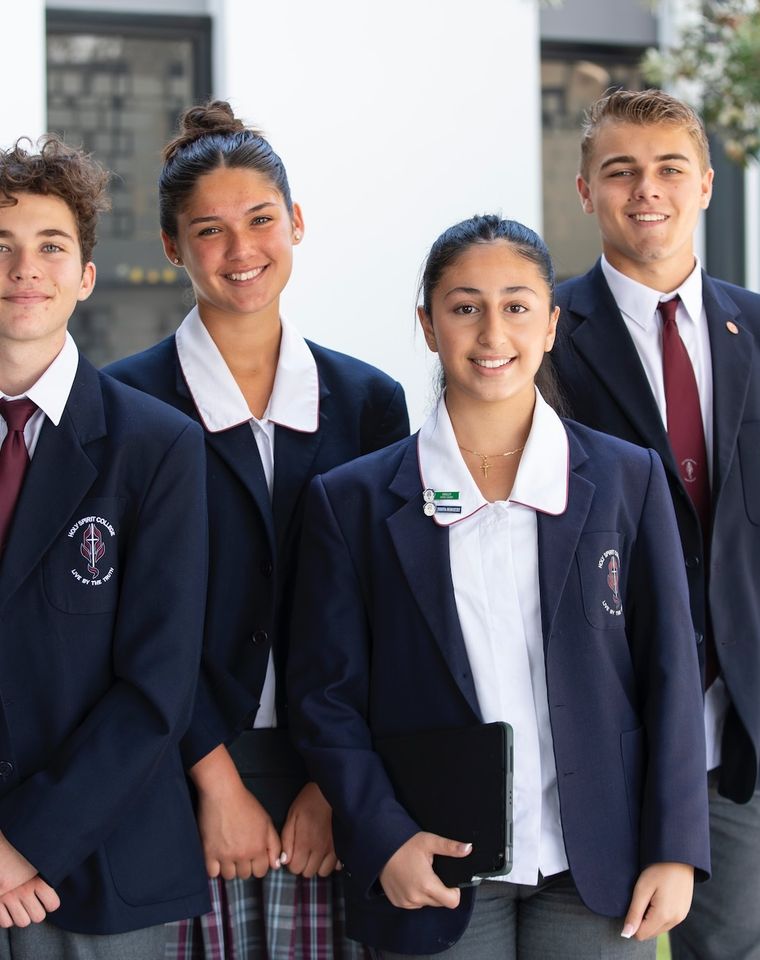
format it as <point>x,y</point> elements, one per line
<point>718,60</point>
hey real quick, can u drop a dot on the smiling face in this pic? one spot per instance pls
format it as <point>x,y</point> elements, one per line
<point>490,323</point>
<point>235,238</point>
<point>41,272</point>
<point>647,189</point>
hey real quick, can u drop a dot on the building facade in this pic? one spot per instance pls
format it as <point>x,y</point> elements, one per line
<point>426,114</point>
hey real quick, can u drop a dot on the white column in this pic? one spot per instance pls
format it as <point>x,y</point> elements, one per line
<point>752,225</point>
<point>395,119</point>
<point>24,110</point>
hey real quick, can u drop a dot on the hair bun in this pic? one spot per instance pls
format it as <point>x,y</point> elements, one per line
<point>214,117</point>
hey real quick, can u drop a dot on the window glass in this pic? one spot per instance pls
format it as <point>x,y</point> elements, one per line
<point>570,82</point>
<point>118,93</point>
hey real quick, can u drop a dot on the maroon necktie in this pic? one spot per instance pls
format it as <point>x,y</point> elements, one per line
<point>685,431</point>
<point>13,459</point>
<point>686,434</point>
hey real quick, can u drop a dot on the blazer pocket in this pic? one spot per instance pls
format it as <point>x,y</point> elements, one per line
<point>632,752</point>
<point>749,459</point>
<point>81,569</point>
<point>155,853</point>
<point>600,567</point>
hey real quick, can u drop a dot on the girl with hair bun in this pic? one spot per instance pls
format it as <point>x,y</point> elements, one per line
<point>504,565</point>
<point>276,409</point>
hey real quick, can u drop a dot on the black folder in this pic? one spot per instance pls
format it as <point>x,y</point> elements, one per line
<point>458,783</point>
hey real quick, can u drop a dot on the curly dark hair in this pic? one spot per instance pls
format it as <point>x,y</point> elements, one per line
<point>60,171</point>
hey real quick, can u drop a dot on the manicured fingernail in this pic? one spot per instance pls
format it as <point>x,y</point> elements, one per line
<point>283,858</point>
<point>628,931</point>
<point>277,863</point>
<point>468,848</point>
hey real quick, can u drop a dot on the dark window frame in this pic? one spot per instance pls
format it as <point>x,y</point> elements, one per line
<point>198,30</point>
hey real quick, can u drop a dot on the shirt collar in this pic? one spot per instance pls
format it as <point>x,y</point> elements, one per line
<point>639,302</point>
<point>294,402</point>
<point>51,391</point>
<point>542,476</point>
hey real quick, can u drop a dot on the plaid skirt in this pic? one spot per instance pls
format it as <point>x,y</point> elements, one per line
<point>280,917</point>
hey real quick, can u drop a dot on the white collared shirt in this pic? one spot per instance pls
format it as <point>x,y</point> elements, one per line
<point>50,393</point>
<point>638,306</point>
<point>294,403</point>
<point>494,569</point>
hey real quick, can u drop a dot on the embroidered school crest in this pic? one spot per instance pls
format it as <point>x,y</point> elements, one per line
<point>90,533</point>
<point>92,549</point>
<point>609,563</point>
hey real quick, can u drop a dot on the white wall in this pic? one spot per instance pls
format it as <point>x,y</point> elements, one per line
<point>394,120</point>
<point>23,106</point>
<point>752,225</point>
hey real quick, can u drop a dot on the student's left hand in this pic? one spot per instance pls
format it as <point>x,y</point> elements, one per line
<point>661,899</point>
<point>307,842</point>
<point>15,869</point>
<point>29,903</point>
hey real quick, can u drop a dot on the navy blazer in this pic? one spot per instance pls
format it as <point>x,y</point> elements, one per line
<point>101,601</point>
<point>377,649</point>
<point>253,540</point>
<point>607,388</point>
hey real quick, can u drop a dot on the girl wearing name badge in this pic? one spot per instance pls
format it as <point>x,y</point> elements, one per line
<point>276,409</point>
<point>504,565</point>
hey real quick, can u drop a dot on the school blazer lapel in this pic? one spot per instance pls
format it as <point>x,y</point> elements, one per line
<point>237,448</point>
<point>731,366</point>
<point>558,538</point>
<point>423,551</point>
<point>602,339</point>
<point>294,455</point>
<point>57,480</point>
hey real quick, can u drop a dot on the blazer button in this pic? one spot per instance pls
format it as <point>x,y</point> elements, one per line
<point>6,769</point>
<point>692,561</point>
<point>698,637</point>
<point>266,568</point>
<point>260,636</point>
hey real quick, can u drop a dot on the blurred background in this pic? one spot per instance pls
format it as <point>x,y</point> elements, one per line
<point>394,120</point>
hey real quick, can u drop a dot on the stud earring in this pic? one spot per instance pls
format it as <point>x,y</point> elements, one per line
<point>297,236</point>
<point>176,260</point>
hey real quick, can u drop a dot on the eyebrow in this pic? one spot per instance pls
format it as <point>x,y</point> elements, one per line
<point>474,291</point>
<point>51,232</point>
<point>624,158</point>
<point>213,217</point>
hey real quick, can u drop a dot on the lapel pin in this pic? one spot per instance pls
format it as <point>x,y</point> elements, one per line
<point>731,327</point>
<point>428,495</point>
<point>429,509</point>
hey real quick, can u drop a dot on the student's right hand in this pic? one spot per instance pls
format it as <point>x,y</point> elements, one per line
<point>408,878</point>
<point>239,838</point>
<point>15,869</point>
<point>29,903</point>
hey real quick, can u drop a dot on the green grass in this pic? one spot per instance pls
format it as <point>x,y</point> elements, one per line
<point>663,948</point>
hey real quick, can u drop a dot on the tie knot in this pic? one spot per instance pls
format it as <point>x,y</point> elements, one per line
<point>16,413</point>
<point>668,308</point>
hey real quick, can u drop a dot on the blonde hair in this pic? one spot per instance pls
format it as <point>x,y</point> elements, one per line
<point>642,107</point>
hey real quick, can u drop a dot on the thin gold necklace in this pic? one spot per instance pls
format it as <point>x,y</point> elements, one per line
<point>485,466</point>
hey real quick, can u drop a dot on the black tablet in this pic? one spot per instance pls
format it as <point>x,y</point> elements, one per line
<point>458,783</point>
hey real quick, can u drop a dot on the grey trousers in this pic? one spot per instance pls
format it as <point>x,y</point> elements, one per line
<point>724,921</point>
<point>547,922</point>
<point>43,941</point>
